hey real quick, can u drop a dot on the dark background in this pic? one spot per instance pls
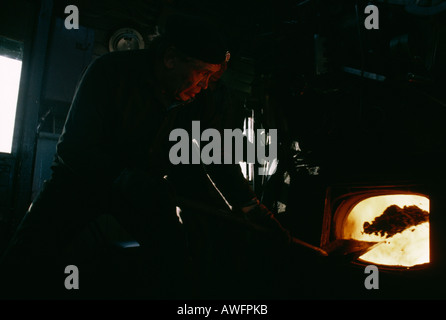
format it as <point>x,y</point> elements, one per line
<point>366,106</point>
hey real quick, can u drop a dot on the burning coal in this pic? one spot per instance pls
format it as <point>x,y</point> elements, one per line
<point>399,222</point>
<point>395,220</point>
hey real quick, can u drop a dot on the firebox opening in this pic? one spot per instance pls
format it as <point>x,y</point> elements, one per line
<point>398,222</point>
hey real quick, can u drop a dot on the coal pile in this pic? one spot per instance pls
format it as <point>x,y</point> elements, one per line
<point>395,220</point>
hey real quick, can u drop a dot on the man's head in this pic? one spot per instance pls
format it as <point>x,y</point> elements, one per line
<point>192,54</point>
<point>187,76</point>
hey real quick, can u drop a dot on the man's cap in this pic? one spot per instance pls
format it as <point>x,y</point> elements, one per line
<point>197,38</point>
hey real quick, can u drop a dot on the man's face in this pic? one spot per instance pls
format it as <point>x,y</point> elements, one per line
<point>190,76</point>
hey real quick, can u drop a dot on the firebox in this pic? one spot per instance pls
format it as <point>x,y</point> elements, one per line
<point>388,224</point>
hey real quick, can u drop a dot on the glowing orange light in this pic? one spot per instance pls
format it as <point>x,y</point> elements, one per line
<point>406,248</point>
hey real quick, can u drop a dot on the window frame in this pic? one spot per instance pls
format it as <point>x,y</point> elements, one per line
<point>13,49</point>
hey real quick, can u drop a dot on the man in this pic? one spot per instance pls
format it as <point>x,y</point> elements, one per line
<point>112,158</point>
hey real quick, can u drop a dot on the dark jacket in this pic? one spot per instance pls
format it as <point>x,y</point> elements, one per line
<point>116,122</point>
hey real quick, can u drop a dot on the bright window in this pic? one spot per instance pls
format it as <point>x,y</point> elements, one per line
<point>10,70</point>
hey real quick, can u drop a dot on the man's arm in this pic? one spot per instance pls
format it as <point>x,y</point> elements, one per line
<point>84,147</point>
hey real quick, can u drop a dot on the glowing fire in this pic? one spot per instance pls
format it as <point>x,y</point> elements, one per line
<point>406,248</point>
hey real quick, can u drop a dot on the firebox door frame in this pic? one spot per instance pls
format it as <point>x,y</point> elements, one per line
<point>340,199</point>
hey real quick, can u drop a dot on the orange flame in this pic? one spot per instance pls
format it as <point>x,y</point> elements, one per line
<point>407,248</point>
